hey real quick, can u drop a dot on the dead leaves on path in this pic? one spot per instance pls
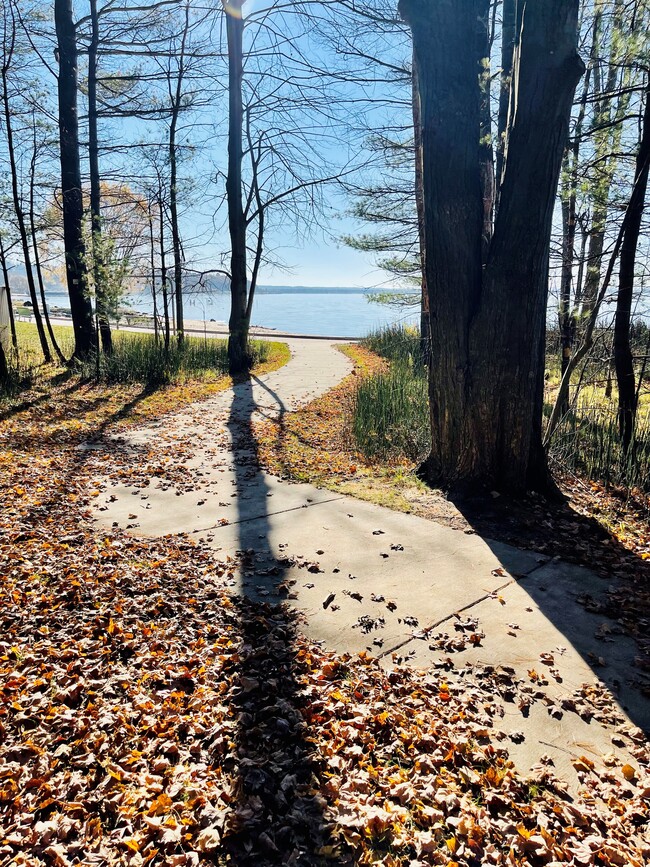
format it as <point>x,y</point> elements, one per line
<point>150,719</point>
<point>313,444</point>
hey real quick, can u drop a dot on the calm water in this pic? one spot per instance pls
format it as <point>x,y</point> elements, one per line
<point>337,314</point>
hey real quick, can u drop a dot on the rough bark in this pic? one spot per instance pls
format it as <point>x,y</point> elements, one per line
<point>238,324</point>
<point>487,373</point>
<point>623,361</point>
<point>71,193</point>
<point>95,187</point>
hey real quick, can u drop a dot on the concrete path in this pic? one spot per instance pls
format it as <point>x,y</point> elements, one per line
<point>403,588</point>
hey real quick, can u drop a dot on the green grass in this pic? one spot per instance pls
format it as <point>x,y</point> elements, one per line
<point>390,419</point>
<point>137,358</point>
<point>587,443</point>
<point>390,416</point>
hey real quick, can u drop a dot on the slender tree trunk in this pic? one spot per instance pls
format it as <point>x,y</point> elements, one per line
<point>486,153</point>
<point>566,313</point>
<point>99,275</point>
<point>152,264</point>
<point>4,367</point>
<point>425,322</point>
<point>238,324</point>
<point>163,274</point>
<point>487,374</point>
<point>173,183</point>
<point>73,241</point>
<point>18,208</point>
<point>5,275</point>
<point>37,258</point>
<point>509,33</point>
<point>623,362</point>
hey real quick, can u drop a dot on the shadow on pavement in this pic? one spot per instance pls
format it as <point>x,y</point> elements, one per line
<point>601,611</point>
<point>279,815</point>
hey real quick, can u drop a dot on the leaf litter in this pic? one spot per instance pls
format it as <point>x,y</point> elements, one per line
<point>151,717</point>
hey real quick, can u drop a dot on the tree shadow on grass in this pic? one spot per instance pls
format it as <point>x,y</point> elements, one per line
<point>279,817</point>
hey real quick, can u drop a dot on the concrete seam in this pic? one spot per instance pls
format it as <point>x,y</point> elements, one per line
<point>448,617</point>
<point>263,515</point>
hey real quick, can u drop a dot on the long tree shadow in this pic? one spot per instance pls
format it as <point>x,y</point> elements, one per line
<point>279,816</point>
<point>83,444</point>
<point>593,590</point>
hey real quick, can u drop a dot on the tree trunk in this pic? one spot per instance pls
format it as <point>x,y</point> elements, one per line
<point>37,258</point>
<point>623,362</point>
<point>566,312</point>
<point>152,264</point>
<point>173,181</point>
<point>99,271</point>
<point>509,34</point>
<point>163,274</point>
<point>12,318</point>
<point>18,208</point>
<point>425,323</point>
<point>73,241</point>
<point>238,324</point>
<point>4,367</point>
<point>487,374</point>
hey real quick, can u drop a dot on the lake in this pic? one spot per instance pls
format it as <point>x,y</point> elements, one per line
<point>327,312</point>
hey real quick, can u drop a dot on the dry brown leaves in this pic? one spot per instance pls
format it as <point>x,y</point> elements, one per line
<point>150,718</point>
<point>314,443</point>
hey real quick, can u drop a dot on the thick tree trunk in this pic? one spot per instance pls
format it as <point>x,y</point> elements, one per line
<point>487,372</point>
<point>627,400</point>
<point>238,324</point>
<point>18,208</point>
<point>99,276</point>
<point>73,241</point>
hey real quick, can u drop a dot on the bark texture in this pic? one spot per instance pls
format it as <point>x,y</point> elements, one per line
<point>239,321</point>
<point>71,193</point>
<point>623,361</point>
<point>95,187</point>
<point>487,321</point>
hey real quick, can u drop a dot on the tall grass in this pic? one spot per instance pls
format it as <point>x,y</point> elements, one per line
<point>400,343</point>
<point>390,415</point>
<point>139,358</point>
<point>587,443</point>
<point>390,420</point>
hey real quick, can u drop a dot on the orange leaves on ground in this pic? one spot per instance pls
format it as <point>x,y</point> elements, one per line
<point>314,443</point>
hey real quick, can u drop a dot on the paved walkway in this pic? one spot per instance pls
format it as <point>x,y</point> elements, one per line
<point>401,587</point>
